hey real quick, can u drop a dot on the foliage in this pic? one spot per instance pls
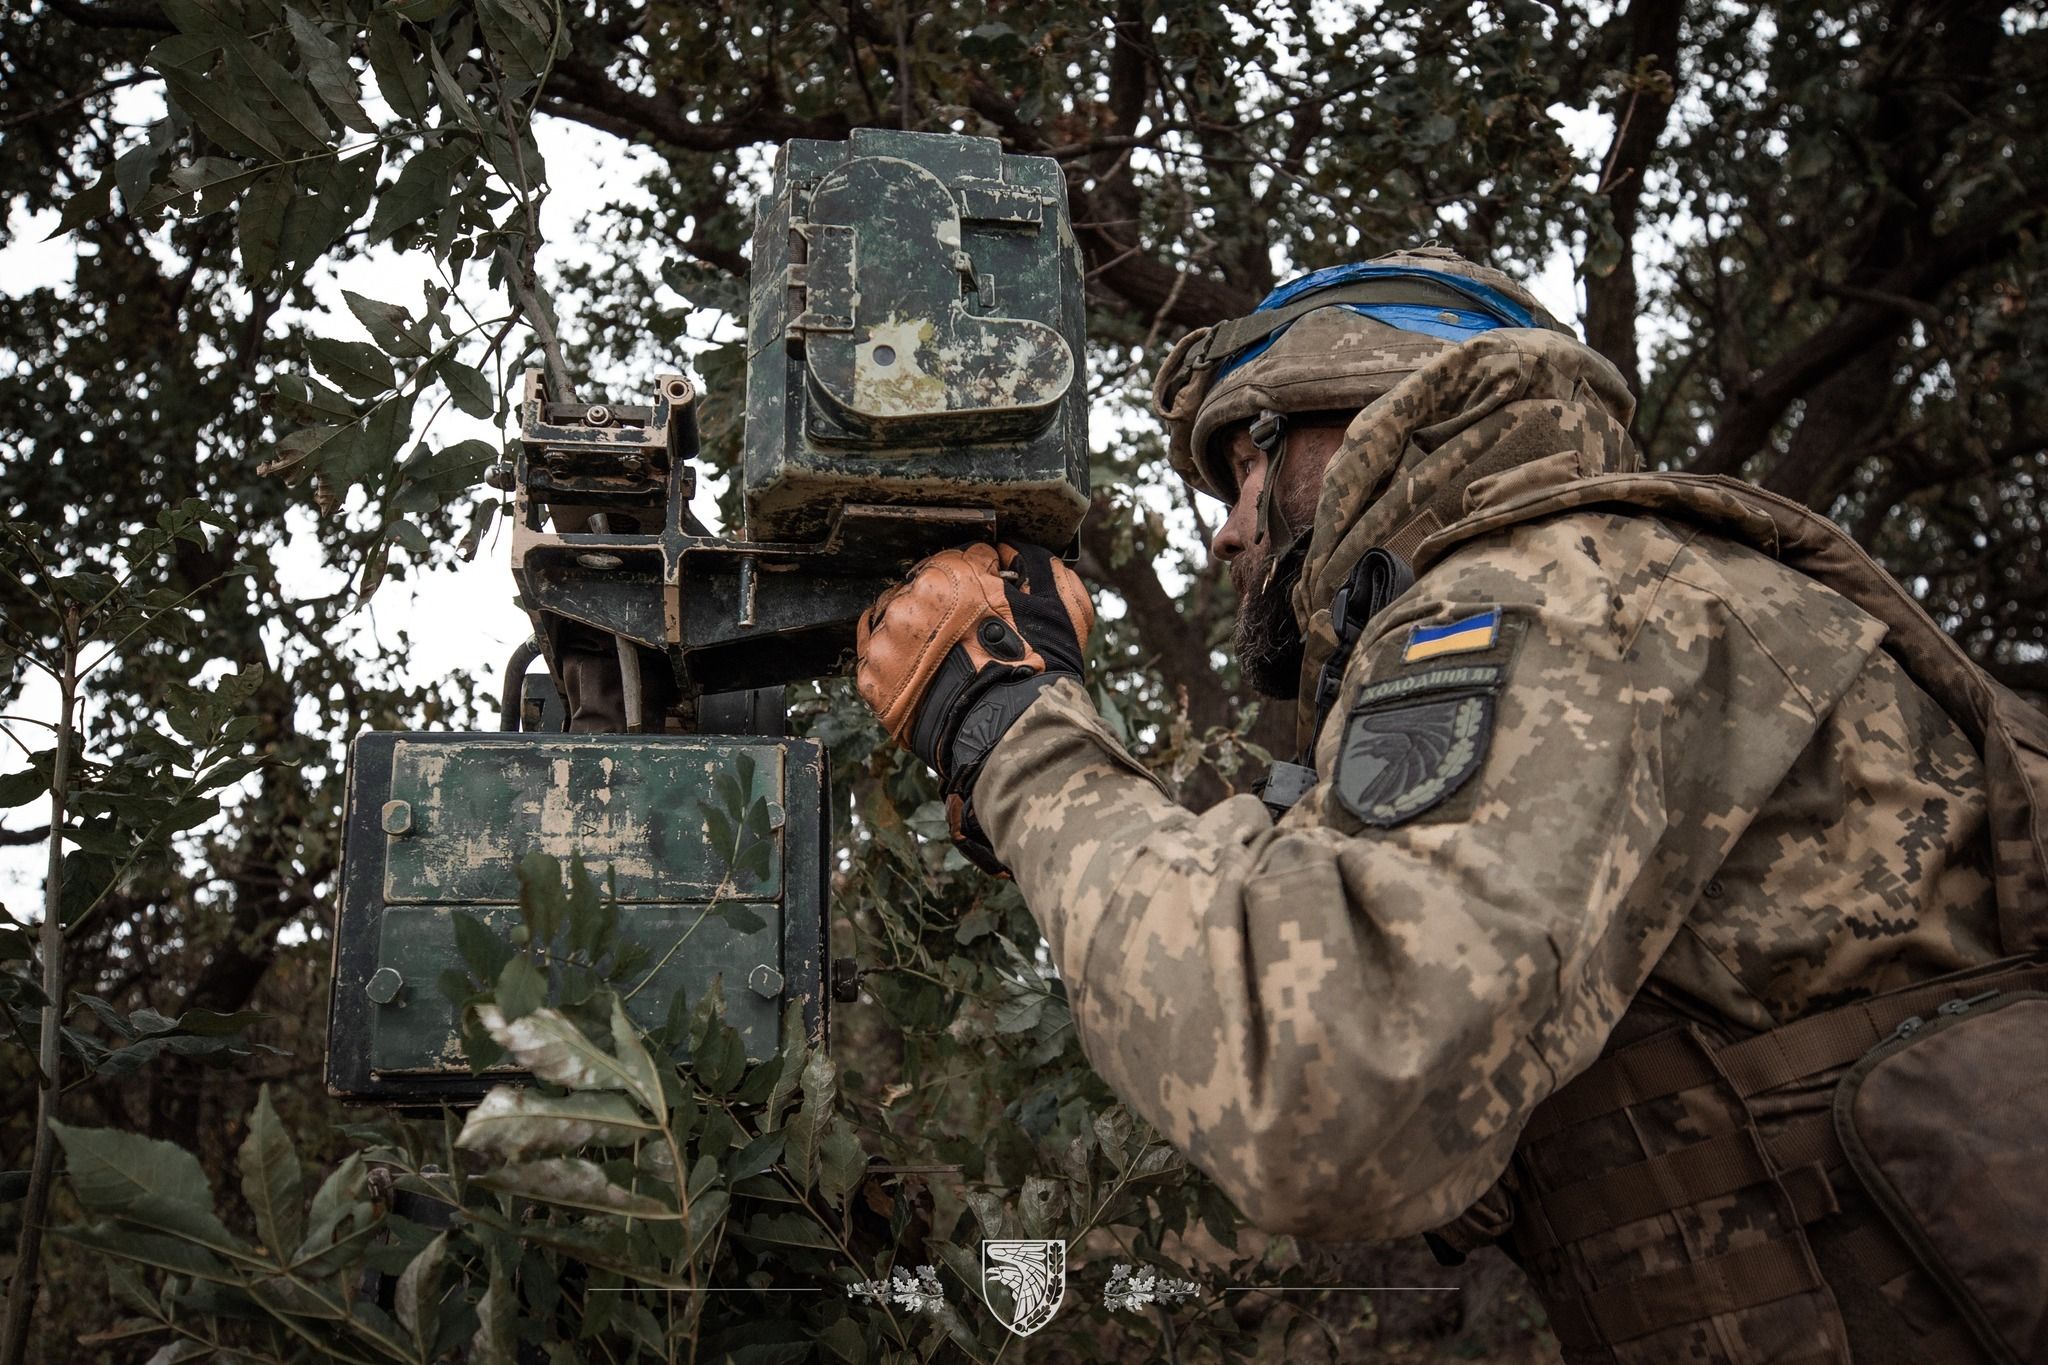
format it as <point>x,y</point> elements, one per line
<point>69,624</point>
<point>1809,234</point>
<point>623,1204</point>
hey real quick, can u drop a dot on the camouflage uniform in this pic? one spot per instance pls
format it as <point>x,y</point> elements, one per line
<point>1667,770</point>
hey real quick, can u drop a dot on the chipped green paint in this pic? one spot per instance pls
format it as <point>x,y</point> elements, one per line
<point>417,1032</point>
<point>630,806</point>
<point>914,337</point>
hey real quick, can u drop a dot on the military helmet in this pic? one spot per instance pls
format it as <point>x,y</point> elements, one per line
<point>1332,340</point>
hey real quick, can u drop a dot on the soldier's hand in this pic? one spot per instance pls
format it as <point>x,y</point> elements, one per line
<point>951,658</point>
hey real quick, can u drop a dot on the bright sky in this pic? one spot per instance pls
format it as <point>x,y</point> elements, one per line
<point>463,618</point>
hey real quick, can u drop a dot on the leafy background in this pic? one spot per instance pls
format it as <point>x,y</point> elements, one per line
<point>1808,233</point>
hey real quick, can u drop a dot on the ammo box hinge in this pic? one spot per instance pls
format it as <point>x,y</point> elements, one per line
<point>820,277</point>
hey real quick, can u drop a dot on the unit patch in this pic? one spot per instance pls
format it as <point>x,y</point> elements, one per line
<point>1413,739</point>
<point>1458,637</point>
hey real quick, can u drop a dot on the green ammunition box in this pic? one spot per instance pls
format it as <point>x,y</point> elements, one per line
<point>915,337</point>
<point>437,823</point>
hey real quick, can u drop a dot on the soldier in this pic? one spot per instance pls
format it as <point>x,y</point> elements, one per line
<point>1616,789</point>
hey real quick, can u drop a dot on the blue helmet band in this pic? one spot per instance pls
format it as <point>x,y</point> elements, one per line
<point>1432,302</point>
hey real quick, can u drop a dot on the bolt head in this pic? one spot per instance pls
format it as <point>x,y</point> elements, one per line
<point>397,817</point>
<point>765,981</point>
<point>384,985</point>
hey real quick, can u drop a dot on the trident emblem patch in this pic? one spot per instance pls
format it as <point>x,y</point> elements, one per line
<point>1035,1275</point>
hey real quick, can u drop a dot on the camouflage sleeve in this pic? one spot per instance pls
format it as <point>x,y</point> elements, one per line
<point>1345,1018</point>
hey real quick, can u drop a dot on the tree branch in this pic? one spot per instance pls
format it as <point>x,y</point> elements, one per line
<point>1612,301</point>
<point>1754,409</point>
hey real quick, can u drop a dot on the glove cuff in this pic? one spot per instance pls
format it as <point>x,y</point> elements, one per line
<point>987,716</point>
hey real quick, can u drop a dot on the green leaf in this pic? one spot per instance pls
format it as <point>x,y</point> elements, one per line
<point>484,951</point>
<point>786,1229</point>
<point>807,1129</point>
<point>643,1078</point>
<point>522,988</point>
<point>520,35</point>
<point>400,78</point>
<point>139,1180</point>
<point>453,97</point>
<point>195,16</point>
<point>18,789</point>
<point>259,227</point>
<point>271,1179</point>
<point>543,903</point>
<point>417,1299</point>
<point>841,1163</point>
<point>496,1339</point>
<point>546,1043</point>
<point>174,1254</point>
<point>794,1055</point>
<point>720,1060</point>
<point>302,121</point>
<point>757,1156</point>
<point>135,172</point>
<point>335,1204</point>
<point>843,1338</point>
<point>328,69</point>
<point>468,388</point>
<point>570,1182</point>
<point>88,205</point>
<point>359,368</point>
<point>204,1023</point>
<point>389,325</point>
<point>214,105</point>
<point>514,1122</point>
<point>423,186</point>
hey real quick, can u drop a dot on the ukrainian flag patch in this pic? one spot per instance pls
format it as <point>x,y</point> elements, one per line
<point>1459,637</point>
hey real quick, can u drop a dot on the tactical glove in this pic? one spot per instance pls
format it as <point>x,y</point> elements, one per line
<point>950,659</point>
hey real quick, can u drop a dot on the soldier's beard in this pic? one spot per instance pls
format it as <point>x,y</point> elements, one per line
<point>1267,637</point>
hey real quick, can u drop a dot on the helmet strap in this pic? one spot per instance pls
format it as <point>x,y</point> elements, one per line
<point>1269,434</point>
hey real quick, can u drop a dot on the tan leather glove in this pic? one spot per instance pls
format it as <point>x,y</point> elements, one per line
<point>950,659</point>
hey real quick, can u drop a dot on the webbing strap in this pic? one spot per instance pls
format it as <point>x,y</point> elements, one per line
<point>1727,1283</point>
<point>1822,1042</point>
<point>1687,1176</point>
<point>1658,1066</point>
<point>1677,1060</point>
<point>1722,1164</point>
<point>1807,1140</point>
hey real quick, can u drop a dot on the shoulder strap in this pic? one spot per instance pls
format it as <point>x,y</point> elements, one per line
<point>2011,735</point>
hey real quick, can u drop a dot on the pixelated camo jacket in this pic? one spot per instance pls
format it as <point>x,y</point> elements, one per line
<point>1593,744</point>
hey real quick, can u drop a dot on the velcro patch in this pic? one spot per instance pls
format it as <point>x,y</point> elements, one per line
<point>1399,761</point>
<point>1459,637</point>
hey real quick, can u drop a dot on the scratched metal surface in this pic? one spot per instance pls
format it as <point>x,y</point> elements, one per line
<point>474,804</point>
<point>691,944</point>
<point>630,806</point>
<point>914,336</point>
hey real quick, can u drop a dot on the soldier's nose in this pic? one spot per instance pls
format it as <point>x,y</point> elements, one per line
<point>1230,539</point>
